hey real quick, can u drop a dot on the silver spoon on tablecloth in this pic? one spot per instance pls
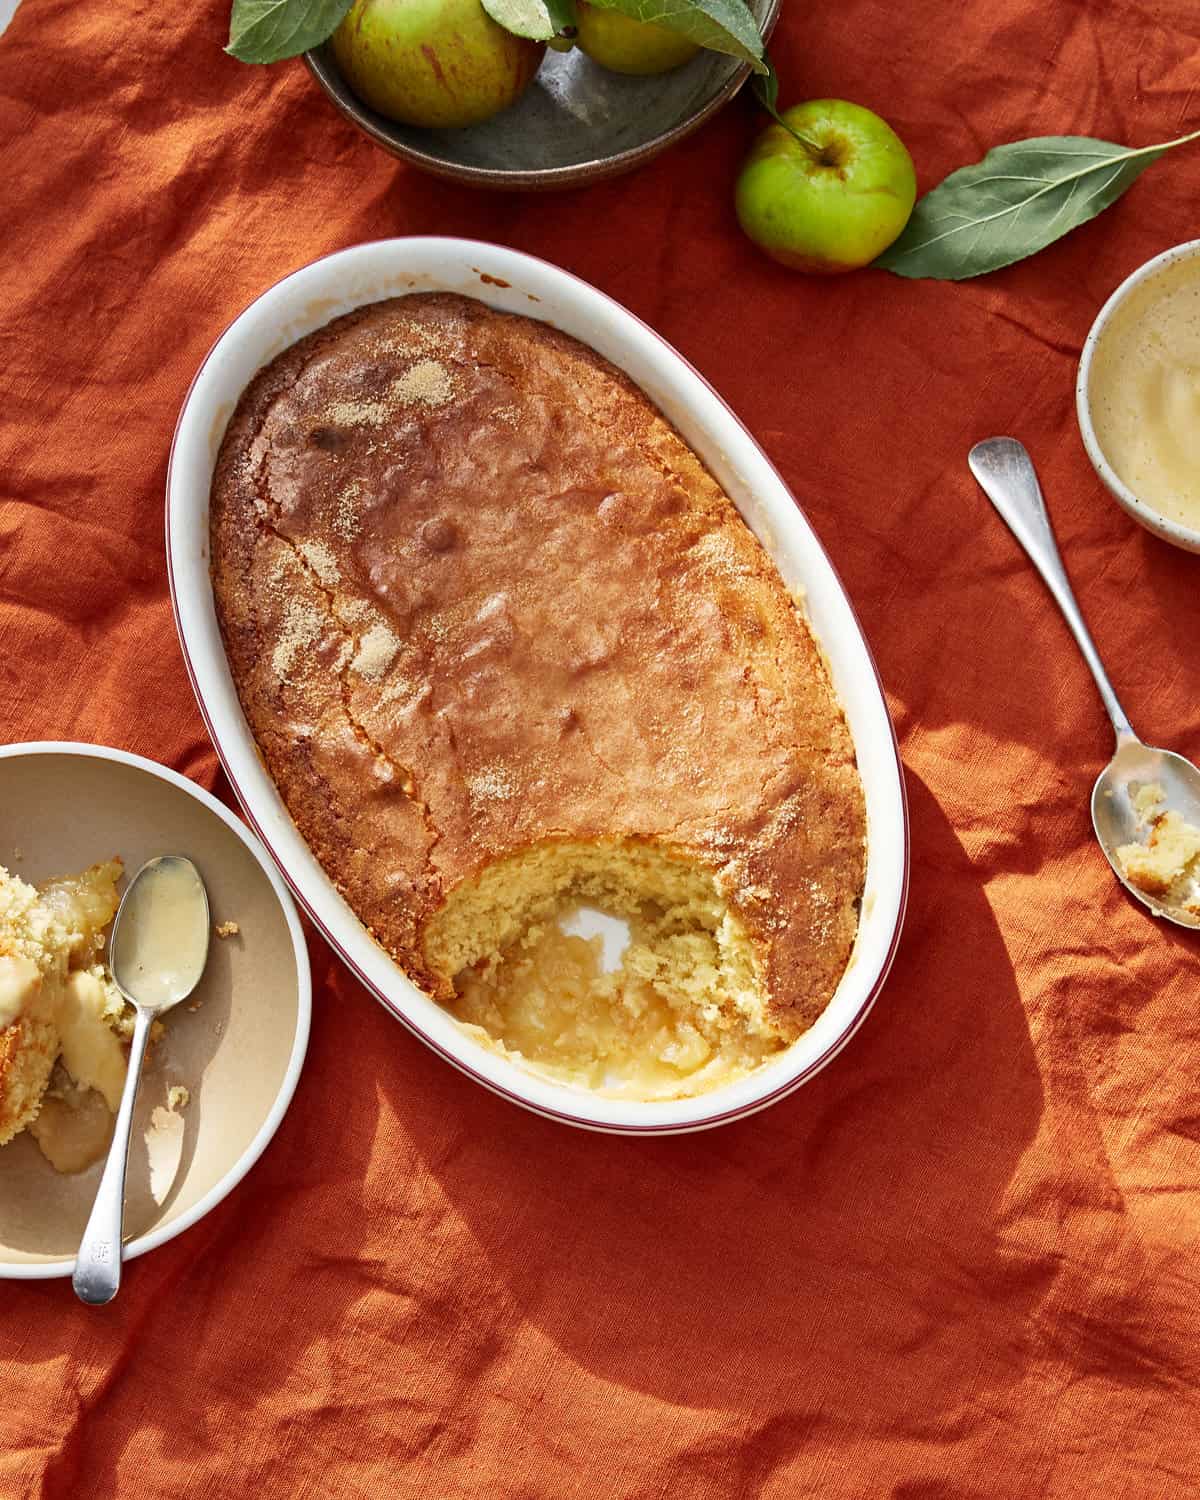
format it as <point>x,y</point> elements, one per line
<point>1006,474</point>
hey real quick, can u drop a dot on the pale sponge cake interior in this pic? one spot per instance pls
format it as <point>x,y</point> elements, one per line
<point>28,1049</point>
<point>1167,863</point>
<point>56,998</point>
<point>685,1010</point>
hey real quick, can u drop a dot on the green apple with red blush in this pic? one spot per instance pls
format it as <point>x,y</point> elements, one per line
<point>826,188</point>
<point>436,63</point>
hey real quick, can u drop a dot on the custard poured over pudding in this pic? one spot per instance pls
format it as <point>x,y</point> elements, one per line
<point>507,648</point>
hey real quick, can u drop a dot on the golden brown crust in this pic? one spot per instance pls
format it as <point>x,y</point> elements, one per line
<point>477,593</point>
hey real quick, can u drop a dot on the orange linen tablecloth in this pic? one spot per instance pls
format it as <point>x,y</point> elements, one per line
<point>963,1261</point>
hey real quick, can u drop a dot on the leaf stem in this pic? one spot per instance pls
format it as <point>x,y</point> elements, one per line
<point>1180,140</point>
<point>760,93</point>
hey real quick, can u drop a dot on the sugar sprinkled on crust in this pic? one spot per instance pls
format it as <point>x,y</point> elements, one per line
<point>377,650</point>
<point>302,625</point>
<point>347,514</point>
<point>719,554</point>
<point>359,413</point>
<point>319,556</point>
<point>495,782</point>
<point>427,382</point>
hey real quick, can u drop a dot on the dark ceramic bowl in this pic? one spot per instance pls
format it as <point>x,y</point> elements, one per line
<point>576,123</point>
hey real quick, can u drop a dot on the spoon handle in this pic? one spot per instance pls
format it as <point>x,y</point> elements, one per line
<point>98,1266</point>
<point>1006,475</point>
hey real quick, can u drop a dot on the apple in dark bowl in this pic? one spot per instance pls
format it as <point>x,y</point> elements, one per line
<point>440,64</point>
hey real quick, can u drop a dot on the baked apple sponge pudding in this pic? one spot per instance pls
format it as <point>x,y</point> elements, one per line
<point>508,650</point>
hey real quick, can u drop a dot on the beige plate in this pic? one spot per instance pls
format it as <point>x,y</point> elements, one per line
<point>239,1052</point>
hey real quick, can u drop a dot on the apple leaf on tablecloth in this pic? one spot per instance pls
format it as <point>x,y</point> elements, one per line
<point>540,20</point>
<point>721,25</point>
<point>267,31</point>
<point>1020,198</point>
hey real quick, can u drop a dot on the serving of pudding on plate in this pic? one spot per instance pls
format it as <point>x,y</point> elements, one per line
<point>507,650</point>
<point>63,1021</point>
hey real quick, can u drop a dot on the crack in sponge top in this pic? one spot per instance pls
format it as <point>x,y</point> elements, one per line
<point>480,601</point>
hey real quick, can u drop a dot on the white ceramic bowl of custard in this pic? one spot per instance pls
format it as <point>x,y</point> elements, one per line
<point>515,282</point>
<point>1138,395</point>
<point>237,1046</point>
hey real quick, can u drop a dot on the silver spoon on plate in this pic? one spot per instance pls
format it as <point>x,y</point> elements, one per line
<point>1006,474</point>
<point>157,954</point>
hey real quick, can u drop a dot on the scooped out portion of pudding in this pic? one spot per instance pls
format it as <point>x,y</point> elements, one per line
<point>682,1010</point>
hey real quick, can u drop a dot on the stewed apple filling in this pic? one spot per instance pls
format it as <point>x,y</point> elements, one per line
<point>681,1010</point>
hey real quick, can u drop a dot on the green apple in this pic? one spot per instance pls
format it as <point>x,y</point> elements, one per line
<point>438,63</point>
<point>835,204</point>
<point>627,46</point>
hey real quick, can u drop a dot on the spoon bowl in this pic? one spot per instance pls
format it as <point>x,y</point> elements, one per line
<point>1006,475</point>
<point>159,943</point>
<point>1117,821</point>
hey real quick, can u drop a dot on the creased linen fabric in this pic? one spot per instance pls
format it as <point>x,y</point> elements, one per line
<point>962,1262</point>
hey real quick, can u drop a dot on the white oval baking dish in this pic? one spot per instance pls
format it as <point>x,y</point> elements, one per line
<point>507,279</point>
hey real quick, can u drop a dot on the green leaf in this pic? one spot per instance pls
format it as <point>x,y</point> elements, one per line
<point>766,88</point>
<point>721,25</point>
<point>540,20</point>
<point>1016,201</point>
<point>265,31</point>
<point>562,13</point>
